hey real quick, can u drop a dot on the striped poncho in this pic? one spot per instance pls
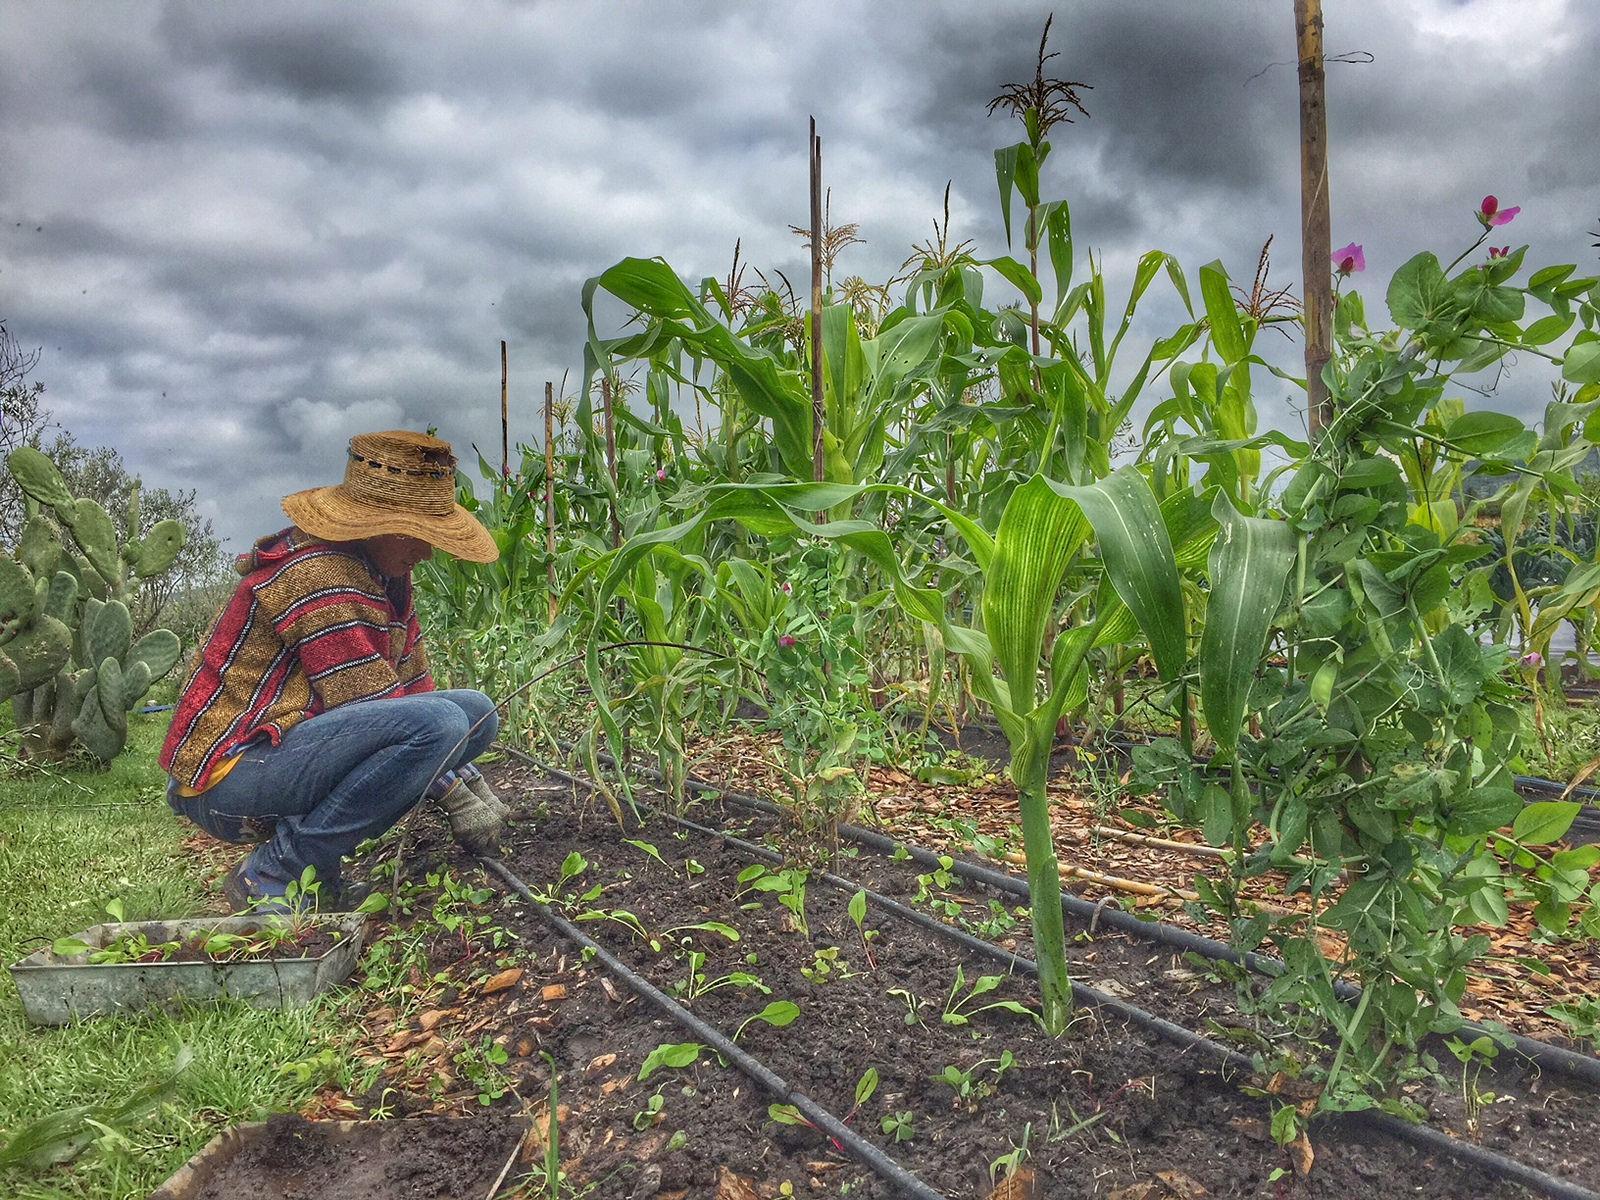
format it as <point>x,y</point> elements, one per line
<point>311,626</point>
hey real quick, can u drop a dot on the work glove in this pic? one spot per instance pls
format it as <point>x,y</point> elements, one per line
<point>473,778</point>
<point>473,823</point>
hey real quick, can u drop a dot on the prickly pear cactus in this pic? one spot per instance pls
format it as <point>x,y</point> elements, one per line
<point>68,661</point>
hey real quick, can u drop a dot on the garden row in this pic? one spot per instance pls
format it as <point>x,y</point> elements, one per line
<point>964,1083</point>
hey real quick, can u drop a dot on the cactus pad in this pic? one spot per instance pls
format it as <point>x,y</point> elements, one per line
<point>159,548</point>
<point>92,529</point>
<point>108,689</point>
<point>159,650</point>
<point>63,594</point>
<point>39,547</point>
<point>135,683</point>
<point>99,736</point>
<point>108,634</point>
<point>40,651</point>
<point>10,678</point>
<point>16,598</point>
<point>37,476</point>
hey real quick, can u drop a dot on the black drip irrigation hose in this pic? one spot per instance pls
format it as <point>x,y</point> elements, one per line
<point>1571,1063</point>
<point>1421,1136</point>
<point>773,1084</point>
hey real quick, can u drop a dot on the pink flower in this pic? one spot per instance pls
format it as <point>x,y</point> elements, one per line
<point>1349,260</point>
<point>661,474</point>
<point>1532,659</point>
<point>786,588</point>
<point>787,642</point>
<point>1490,213</point>
<point>1499,251</point>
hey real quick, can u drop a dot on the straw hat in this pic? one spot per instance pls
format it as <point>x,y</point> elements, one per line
<point>395,482</point>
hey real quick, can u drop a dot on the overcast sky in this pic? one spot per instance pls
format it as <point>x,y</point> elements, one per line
<point>240,233</point>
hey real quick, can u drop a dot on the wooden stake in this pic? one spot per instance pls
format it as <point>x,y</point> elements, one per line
<point>819,411</point>
<point>1315,234</point>
<point>550,490</point>
<point>505,422</point>
<point>611,456</point>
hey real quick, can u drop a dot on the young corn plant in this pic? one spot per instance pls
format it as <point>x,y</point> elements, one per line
<point>1043,533</point>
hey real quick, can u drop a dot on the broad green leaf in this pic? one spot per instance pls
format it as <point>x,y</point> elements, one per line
<point>1250,560</point>
<point>1418,292</point>
<point>671,1055</point>
<point>1582,363</point>
<point>1040,532</point>
<point>1483,811</point>
<point>1545,821</point>
<point>1138,558</point>
<point>1019,276</point>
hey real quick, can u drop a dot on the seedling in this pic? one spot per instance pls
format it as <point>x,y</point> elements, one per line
<point>652,1113</point>
<point>898,1126</point>
<point>1473,1056</point>
<point>959,1010</point>
<point>825,964</point>
<point>1010,1163</point>
<point>913,1005</point>
<point>788,1114</point>
<point>646,848</point>
<point>697,983</point>
<point>778,1014</point>
<point>670,1055</point>
<point>481,1065</point>
<point>858,914</point>
<point>969,1085</point>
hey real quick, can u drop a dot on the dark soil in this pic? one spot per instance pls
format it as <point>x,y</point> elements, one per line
<point>1544,1119</point>
<point>311,942</point>
<point>709,1130</point>
<point>422,1159</point>
<point>1105,1108</point>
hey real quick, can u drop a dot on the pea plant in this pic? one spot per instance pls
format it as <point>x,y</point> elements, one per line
<point>1354,710</point>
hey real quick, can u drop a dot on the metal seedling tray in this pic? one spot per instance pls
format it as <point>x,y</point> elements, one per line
<point>55,991</point>
<point>193,1176</point>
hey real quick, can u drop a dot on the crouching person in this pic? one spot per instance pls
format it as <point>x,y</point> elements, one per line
<point>310,721</point>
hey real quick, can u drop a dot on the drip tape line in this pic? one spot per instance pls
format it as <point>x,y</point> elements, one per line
<point>773,1084</point>
<point>1571,1063</point>
<point>1422,1136</point>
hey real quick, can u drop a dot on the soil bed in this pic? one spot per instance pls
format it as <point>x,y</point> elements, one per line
<point>706,1136</point>
<point>1102,1109</point>
<point>420,1159</point>
<point>1540,1118</point>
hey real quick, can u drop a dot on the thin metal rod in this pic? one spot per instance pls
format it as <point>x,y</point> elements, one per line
<point>819,411</point>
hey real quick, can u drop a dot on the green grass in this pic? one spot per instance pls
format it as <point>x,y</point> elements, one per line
<point>70,841</point>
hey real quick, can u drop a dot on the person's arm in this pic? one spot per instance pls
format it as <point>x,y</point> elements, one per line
<point>329,611</point>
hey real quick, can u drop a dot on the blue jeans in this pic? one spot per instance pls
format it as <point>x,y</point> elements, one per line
<point>337,779</point>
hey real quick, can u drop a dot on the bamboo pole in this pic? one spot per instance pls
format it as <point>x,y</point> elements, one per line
<point>819,412</point>
<point>611,457</point>
<point>1315,234</point>
<point>550,490</point>
<point>505,418</point>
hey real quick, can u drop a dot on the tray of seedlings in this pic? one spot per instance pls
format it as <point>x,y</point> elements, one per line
<point>268,961</point>
<point>934,1050</point>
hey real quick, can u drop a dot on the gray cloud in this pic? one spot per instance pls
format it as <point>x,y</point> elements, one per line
<point>242,233</point>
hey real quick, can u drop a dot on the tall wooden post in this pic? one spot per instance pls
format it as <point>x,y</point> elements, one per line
<point>611,456</point>
<point>505,422</point>
<point>819,410</point>
<point>550,490</point>
<point>1315,235</point>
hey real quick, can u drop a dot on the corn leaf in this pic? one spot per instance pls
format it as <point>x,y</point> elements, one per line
<point>1250,561</point>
